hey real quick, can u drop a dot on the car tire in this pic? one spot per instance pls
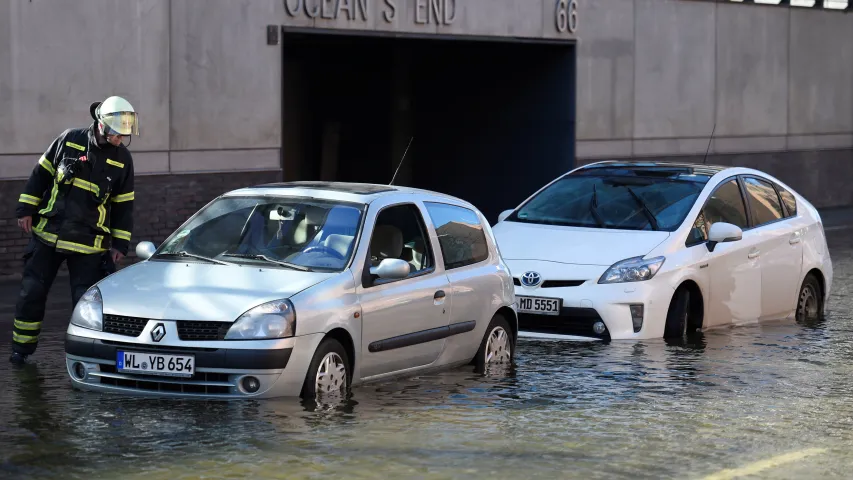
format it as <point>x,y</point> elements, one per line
<point>677,318</point>
<point>497,347</point>
<point>331,361</point>
<point>809,301</point>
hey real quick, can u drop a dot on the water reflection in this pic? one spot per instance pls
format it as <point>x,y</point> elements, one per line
<point>652,409</point>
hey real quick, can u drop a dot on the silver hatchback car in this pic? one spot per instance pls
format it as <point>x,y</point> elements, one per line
<point>299,289</point>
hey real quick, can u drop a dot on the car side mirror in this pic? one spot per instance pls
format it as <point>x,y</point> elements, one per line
<point>722,232</point>
<point>391,268</point>
<point>144,250</point>
<point>503,216</point>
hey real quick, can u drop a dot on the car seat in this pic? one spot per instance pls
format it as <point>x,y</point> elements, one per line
<point>415,255</point>
<point>387,242</point>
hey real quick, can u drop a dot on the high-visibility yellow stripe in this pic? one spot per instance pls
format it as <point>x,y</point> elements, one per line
<point>24,338</point>
<point>113,162</point>
<point>74,145</point>
<point>99,240</point>
<point>102,216</point>
<point>50,203</point>
<point>47,166</point>
<point>123,197</point>
<point>121,234</point>
<point>79,247</point>
<point>24,198</point>
<point>79,182</point>
<point>27,325</point>
<point>39,230</point>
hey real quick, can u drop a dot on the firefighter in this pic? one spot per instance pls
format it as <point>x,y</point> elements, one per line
<point>78,207</point>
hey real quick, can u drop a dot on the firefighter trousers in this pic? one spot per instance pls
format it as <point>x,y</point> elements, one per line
<point>41,263</point>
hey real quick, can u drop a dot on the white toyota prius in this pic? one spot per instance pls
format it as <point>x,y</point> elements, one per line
<point>637,250</point>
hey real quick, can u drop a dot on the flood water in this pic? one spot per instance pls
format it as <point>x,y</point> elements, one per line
<point>772,400</point>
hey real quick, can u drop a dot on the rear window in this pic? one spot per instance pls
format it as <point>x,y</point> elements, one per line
<point>764,204</point>
<point>789,201</point>
<point>612,201</point>
<point>460,234</point>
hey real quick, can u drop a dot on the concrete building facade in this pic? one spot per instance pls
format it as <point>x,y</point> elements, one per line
<point>491,97</point>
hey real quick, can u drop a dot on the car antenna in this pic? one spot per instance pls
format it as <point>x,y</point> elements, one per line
<point>705,160</point>
<point>401,161</point>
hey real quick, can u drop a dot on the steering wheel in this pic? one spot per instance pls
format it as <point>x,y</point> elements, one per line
<point>324,249</point>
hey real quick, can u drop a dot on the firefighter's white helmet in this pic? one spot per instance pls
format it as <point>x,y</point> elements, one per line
<point>117,115</point>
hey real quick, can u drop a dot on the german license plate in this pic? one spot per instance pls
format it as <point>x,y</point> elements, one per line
<point>542,306</point>
<point>155,364</point>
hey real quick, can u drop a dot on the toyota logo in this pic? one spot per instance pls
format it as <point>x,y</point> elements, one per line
<point>158,332</point>
<point>531,279</point>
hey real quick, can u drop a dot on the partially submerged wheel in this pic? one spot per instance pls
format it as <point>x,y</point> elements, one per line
<point>329,374</point>
<point>678,316</point>
<point>497,349</point>
<point>809,301</point>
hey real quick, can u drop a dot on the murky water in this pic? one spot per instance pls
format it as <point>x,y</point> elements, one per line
<point>726,400</point>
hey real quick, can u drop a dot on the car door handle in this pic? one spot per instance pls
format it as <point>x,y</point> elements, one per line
<point>753,254</point>
<point>795,238</point>
<point>439,295</point>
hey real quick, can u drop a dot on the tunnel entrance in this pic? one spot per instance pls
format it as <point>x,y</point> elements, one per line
<point>489,122</point>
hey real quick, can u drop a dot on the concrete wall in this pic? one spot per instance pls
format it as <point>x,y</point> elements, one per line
<point>207,86</point>
<point>655,76</point>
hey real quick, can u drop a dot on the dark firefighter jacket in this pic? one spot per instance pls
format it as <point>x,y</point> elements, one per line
<point>80,194</point>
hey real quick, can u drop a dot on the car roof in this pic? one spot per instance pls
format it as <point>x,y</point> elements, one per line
<point>340,191</point>
<point>652,166</point>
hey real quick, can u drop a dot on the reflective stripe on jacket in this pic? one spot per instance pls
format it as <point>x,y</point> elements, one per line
<point>88,210</point>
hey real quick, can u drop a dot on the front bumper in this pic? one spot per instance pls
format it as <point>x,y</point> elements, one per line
<point>590,302</point>
<point>219,372</point>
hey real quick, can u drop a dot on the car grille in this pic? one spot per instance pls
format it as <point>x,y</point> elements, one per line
<point>128,326</point>
<point>200,331</point>
<point>187,330</point>
<point>209,383</point>
<point>553,283</point>
<point>570,321</point>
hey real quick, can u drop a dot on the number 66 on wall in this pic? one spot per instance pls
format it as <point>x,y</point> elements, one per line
<point>567,16</point>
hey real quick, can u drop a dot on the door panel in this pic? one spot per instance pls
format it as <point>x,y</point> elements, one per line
<point>781,249</point>
<point>401,313</point>
<point>404,320</point>
<point>735,279</point>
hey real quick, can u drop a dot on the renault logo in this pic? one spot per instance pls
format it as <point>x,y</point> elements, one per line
<point>158,332</point>
<point>531,279</point>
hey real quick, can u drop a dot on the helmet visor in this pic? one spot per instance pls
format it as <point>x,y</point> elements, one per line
<point>122,123</point>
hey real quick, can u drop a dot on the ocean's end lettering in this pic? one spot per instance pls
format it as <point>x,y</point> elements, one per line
<point>351,10</point>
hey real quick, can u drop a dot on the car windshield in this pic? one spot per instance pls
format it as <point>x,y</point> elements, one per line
<point>296,233</point>
<point>612,199</point>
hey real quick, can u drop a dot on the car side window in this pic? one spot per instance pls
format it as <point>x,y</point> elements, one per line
<point>789,201</point>
<point>764,203</point>
<point>460,235</point>
<point>724,205</point>
<point>400,233</point>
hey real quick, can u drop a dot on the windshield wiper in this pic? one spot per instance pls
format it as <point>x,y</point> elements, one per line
<point>593,204</point>
<point>183,253</point>
<point>264,257</point>
<point>651,216</point>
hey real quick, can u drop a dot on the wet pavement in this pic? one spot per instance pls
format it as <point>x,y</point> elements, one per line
<point>769,401</point>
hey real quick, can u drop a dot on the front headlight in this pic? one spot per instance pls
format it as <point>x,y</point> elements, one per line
<point>89,311</point>
<point>276,319</point>
<point>634,269</point>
